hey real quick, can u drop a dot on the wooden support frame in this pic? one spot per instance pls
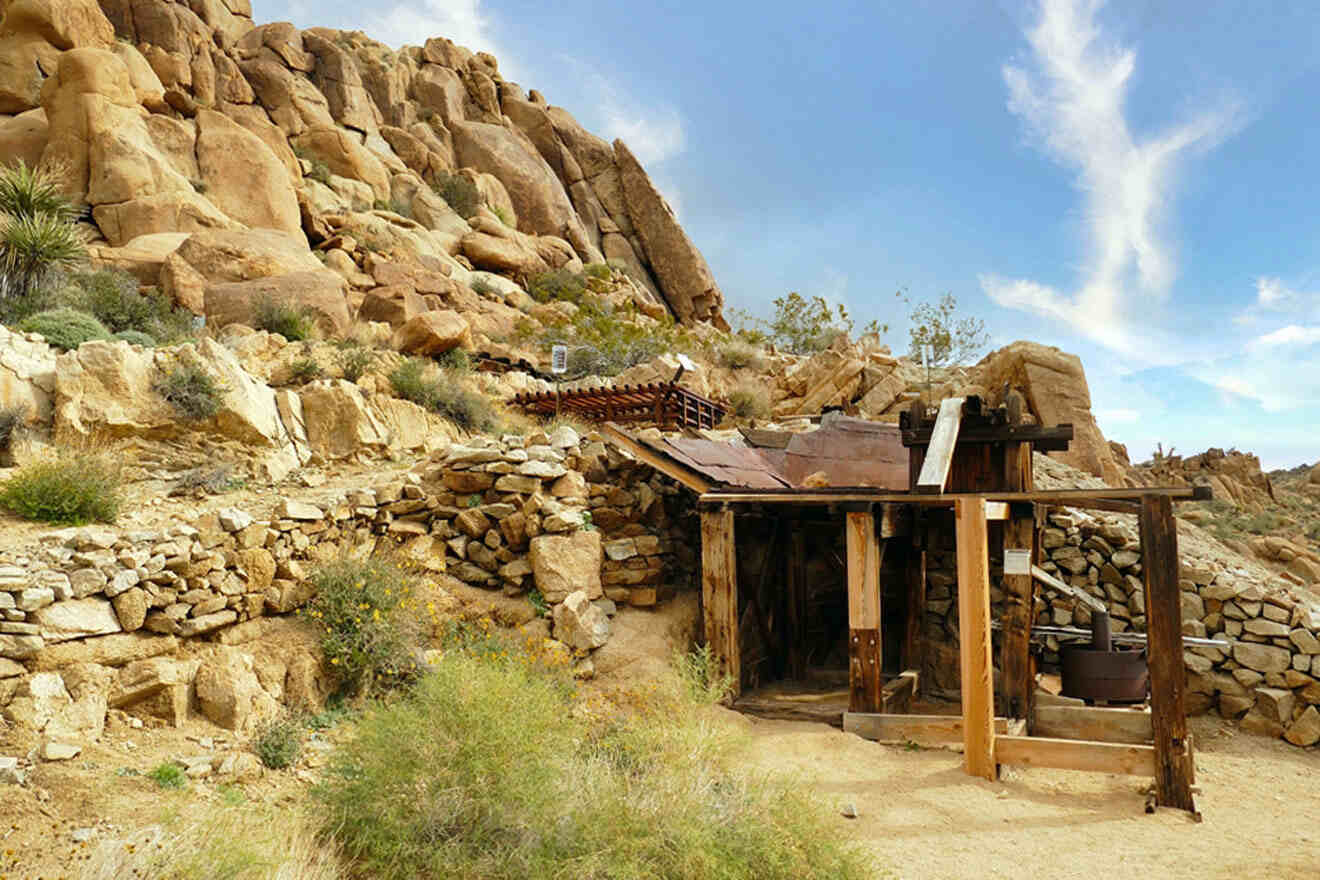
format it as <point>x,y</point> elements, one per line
<point>922,729</point>
<point>978,695</point>
<point>1073,754</point>
<point>939,454</point>
<point>719,592</point>
<point>865,650</point>
<point>1093,723</point>
<point>1168,678</point>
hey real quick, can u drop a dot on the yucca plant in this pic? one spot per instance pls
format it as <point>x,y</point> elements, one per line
<point>30,192</point>
<point>33,249</point>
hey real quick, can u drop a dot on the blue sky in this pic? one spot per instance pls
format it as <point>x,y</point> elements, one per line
<point>1133,182</point>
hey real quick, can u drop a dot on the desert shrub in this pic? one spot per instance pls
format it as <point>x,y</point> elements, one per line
<point>279,742</point>
<point>168,775</point>
<point>464,407</point>
<point>354,359</point>
<point>135,337</point>
<point>114,299</point>
<point>191,390</point>
<point>560,284</point>
<point>367,634</point>
<point>460,192</point>
<point>483,287</point>
<point>602,342</point>
<point>30,192</point>
<point>749,402</point>
<point>65,328</point>
<point>599,271</point>
<point>316,168</point>
<point>455,359</point>
<point>701,676</point>
<point>305,370</point>
<point>72,489</point>
<point>737,354</point>
<point>486,771</point>
<point>11,423</point>
<point>503,215</point>
<point>292,322</point>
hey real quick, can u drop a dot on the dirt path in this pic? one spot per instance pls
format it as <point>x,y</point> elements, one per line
<point>923,818</point>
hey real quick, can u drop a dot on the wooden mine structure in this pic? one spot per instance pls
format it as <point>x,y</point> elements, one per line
<point>977,464</point>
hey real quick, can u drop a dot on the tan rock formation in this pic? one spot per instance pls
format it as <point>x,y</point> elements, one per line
<point>320,292</point>
<point>243,177</point>
<point>432,333</point>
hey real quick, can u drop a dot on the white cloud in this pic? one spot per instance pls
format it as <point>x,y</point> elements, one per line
<point>653,138</point>
<point>1070,95</point>
<point>1290,335</point>
<point>1272,293</point>
<point>462,21</point>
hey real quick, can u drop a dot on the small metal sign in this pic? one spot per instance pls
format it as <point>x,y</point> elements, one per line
<point>1017,561</point>
<point>686,363</point>
<point>559,359</point>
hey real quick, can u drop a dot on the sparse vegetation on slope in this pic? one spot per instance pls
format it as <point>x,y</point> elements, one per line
<point>73,489</point>
<point>443,395</point>
<point>65,328</point>
<point>287,319</point>
<point>191,391</point>
<point>459,192</point>
<point>113,297</point>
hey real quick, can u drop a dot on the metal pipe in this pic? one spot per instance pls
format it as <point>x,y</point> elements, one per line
<point>1100,636</point>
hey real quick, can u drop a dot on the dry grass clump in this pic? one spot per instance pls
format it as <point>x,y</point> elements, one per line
<point>749,401</point>
<point>239,842</point>
<point>739,354</point>
<point>73,488</point>
<point>488,770</point>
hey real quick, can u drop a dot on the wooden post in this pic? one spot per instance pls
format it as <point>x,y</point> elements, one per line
<point>719,591</point>
<point>915,575</point>
<point>1019,591</point>
<point>978,687</point>
<point>865,656</point>
<point>1168,677</point>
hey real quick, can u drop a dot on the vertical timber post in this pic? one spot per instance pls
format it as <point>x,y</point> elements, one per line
<point>915,575</point>
<point>865,657</point>
<point>1019,590</point>
<point>978,687</point>
<point>1168,677</point>
<point>719,592</point>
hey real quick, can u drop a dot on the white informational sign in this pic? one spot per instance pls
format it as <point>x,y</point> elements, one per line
<point>686,363</point>
<point>559,359</point>
<point>1017,561</point>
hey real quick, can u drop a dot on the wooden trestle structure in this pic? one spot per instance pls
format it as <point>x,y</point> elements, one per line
<point>977,464</point>
<point>666,405</point>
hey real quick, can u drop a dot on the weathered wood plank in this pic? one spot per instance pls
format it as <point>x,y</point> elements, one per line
<point>1072,754</point>
<point>1019,593</point>
<point>978,695</point>
<point>1168,677</point>
<point>943,440</point>
<point>1093,723</point>
<point>719,591</point>
<point>865,653</point>
<point>923,729</point>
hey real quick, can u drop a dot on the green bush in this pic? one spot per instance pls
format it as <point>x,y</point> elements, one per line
<point>409,382</point>
<point>456,359</point>
<point>503,216</point>
<point>699,671</point>
<point>290,321</point>
<point>135,337</point>
<point>738,354</point>
<point>305,370</point>
<point>169,775</point>
<point>64,328</point>
<point>560,284</point>
<point>367,634</point>
<point>460,192</point>
<point>278,743</point>
<point>317,169</point>
<point>114,299</point>
<point>599,271</point>
<point>602,342</point>
<point>462,406</point>
<point>11,423</point>
<point>487,771</point>
<point>749,402</point>
<point>191,391</point>
<point>354,359</point>
<point>483,287</point>
<point>73,489</point>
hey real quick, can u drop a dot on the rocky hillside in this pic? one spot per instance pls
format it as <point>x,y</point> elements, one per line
<point>209,151</point>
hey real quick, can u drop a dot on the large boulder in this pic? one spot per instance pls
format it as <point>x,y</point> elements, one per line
<point>243,177</point>
<point>564,564</point>
<point>432,333</point>
<point>231,255</point>
<point>23,137</point>
<point>1054,385</point>
<point>345,154</point>
<point>27,376</point>
<point>541,203</point>
<point>228,691</point>
<point>680,269</point>
<point>32,35</point>
<point>142,257</point>
<point>322,292</point>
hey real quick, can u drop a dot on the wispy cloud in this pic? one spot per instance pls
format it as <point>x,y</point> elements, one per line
<point>1290,335</point>
<point>1070,94</point>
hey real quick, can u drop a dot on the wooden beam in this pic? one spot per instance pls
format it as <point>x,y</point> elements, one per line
<point>1093,723</point>
<point>861,494</point>
<point>1019,683</point>
<point>1077,593</point>
<point>923,729</point>
<point>1074,754</point>
<point>1168,677</point>
<point>664,464</point>
<point>719,592</point>
<point>978,694</point>
<point>914,575</point>
<point>939,454</point>
<point>865,653</point>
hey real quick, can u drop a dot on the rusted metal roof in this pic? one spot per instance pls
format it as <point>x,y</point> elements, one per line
<point>850,452</point>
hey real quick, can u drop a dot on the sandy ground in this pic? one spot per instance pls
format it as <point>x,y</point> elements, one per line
<point>922,817</point>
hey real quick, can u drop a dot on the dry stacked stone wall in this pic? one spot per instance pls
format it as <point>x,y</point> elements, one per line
<point>1268,674</point>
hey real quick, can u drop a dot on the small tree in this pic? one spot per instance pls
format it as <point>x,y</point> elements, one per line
<point>953,340</point>
<point>801,325</point>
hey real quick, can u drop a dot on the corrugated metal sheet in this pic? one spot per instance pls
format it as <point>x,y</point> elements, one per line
<point>725,463</point>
